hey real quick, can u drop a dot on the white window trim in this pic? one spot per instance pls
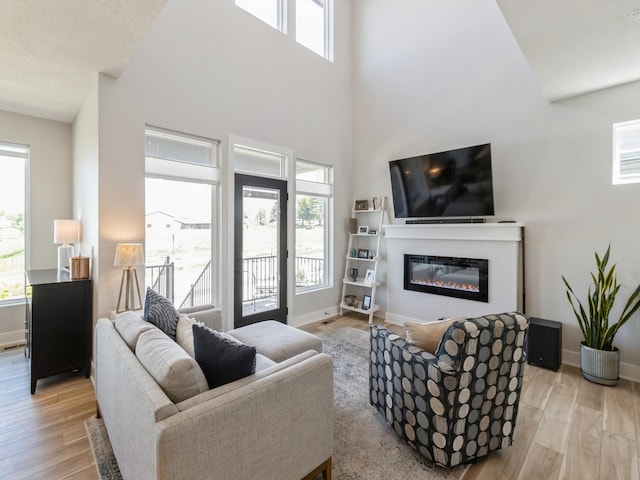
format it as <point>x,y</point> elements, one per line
<point>196,173</point>
<point>619,130</point>
<point>319,189</point>
<point>18,150</point>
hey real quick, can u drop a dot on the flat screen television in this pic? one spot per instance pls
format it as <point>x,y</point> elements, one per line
<point>454,183</point>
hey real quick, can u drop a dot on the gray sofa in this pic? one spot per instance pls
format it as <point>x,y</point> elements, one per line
<point>274,425</point>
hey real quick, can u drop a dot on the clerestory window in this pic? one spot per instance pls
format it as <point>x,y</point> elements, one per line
<point>626,152</point>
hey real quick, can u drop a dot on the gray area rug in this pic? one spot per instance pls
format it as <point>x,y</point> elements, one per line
<point>366,447</point>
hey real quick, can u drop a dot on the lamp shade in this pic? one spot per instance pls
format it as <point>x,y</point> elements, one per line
<point>128,254</point>
<point>66,231</point>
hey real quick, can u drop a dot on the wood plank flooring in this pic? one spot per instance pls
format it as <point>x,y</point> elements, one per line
<point>567,427</point>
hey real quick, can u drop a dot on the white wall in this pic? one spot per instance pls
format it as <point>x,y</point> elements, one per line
<point>211,69</point>
<point>432,75</point>
<point>48,197</point>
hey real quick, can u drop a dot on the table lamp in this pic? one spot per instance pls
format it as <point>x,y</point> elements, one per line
<point>128,255</point>
<point>66,232</point>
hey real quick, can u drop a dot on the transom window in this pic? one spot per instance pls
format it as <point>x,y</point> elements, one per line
<point>626,152</point>
<point>314,26</point>
<point>271,12</point>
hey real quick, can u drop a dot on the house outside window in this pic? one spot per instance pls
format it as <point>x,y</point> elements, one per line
<point>626,152</point>
<point>182,174</point>
<point>313,226</point>
<point>13,165</point>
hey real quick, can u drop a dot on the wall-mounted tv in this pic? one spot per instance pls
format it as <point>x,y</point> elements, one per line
<point>454,183</point>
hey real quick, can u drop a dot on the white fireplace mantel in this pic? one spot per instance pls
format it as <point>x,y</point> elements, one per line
<point>499,243</point>
<point>508,232</point>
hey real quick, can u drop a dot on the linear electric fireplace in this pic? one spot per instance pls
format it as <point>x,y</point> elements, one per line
<point>450,276</point>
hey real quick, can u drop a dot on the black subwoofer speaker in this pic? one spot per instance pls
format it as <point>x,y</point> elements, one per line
<point>544,343</point>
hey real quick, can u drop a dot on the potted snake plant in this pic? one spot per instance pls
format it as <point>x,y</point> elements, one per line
<point>599,357</point>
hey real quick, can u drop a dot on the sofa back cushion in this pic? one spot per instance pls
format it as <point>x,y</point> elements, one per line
<point>170,365</point>
<point>130,326</point>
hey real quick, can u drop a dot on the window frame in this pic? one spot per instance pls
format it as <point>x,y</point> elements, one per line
<point>630,128</point>
<point>184,171</point>
<point>22,152</point>
<point>281,15</point>
<point>323,190</point>
<point>327,29</point>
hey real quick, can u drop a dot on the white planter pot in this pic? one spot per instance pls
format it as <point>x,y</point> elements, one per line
<point>600,366</point>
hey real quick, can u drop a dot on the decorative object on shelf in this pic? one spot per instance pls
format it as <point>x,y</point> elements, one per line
<point>79,268</point>
<point>353,225</point>
<point>350,300</point>
<point>366,302</point>
<point>374,203</point>
<point>362,253</point>
<point>129,255</point>
<point>373,231</point>
<point>599,357</point>
<point>66,232</point>
<point>361,205</point>
<point>372,254</point>
<point>369,277</point>
<point>353,274</point>
<point>354,253</point>
<point>363,229</point>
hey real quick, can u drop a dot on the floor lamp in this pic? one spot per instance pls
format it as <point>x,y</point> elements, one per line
<point>129,255</point>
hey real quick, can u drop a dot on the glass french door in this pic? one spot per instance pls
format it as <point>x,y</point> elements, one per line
<point>260,263</point>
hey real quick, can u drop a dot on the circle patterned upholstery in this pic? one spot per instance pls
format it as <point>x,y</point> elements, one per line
<point>460,404</point>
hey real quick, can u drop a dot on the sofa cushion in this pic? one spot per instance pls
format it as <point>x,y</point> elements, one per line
<point>172,368</point>
<point>184,333</point>
<point>428,335</point>
<point>222,360</point>
<point>160,311</point>
<point>130,326</point>
<point>207,314</point>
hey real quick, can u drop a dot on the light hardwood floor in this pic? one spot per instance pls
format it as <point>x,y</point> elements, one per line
<point>567,427</point>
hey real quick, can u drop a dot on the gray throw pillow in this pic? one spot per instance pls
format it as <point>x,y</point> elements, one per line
<point>160,311</point>
<point>222,360</point>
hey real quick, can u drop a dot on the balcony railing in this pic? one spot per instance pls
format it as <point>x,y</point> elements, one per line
<point>259,280</point>
<point>160,278</point>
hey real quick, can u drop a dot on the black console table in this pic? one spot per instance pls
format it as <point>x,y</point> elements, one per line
<point>58,324</point>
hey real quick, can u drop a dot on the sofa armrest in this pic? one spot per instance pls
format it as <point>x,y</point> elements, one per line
<point>278,427</point>
<point>207,314</point>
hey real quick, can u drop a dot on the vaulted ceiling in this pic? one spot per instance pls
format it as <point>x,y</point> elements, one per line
<point>52,50</point>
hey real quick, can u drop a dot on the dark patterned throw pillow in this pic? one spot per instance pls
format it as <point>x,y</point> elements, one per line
<point>160,311</point>
<point>222,360</point>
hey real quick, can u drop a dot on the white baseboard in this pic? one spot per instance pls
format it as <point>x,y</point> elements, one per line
<point>400,319</point>
<point>11,339</point>
<point>627,370</point>
<point>324,314</point>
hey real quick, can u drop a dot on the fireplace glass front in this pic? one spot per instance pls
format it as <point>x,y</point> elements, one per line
<point>450,276</point>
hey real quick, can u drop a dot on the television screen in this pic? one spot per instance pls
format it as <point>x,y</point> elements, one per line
<point>455,183</point>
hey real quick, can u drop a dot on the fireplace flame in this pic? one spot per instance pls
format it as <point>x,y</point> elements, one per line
<point>450,285</point>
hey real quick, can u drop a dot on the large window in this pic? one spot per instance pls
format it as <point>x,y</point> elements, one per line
<point>181,177</point>
<point>626,152</point>
<point>272,12</point>
<point>313,221</point>
<point>13,161</point>
<point>314,26</point>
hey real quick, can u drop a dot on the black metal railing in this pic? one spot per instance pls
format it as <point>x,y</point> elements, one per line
<point>200,291</point>
<point>160,278</point>
<point>259,279</point>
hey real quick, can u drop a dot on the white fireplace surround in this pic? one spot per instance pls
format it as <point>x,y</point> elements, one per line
<point>499,243</point>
